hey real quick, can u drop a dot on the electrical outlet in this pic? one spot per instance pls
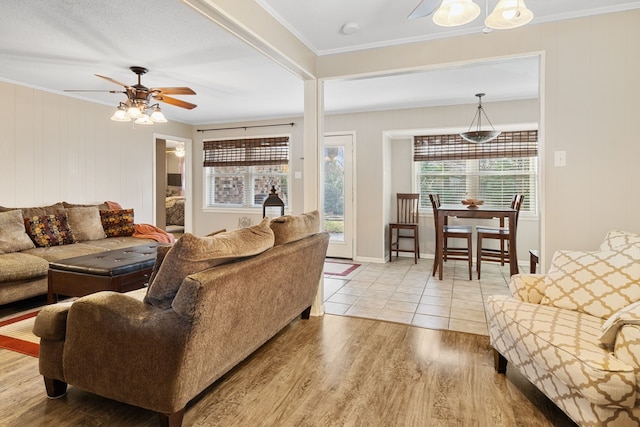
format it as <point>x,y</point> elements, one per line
<point>561,158</point>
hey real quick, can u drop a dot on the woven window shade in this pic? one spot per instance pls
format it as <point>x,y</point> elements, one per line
<point>246,152</point>
<point>453,147</point>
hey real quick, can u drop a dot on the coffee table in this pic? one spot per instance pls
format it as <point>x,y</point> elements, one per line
<point>120,270</point>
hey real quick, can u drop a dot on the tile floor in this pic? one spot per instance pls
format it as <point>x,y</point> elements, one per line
<point>404,292</point>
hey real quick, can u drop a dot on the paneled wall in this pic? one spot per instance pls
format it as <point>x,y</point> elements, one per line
<point>56,148</point>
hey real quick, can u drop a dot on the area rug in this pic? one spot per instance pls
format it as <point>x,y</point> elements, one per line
<point>16,335</point>
<point>339,268</point>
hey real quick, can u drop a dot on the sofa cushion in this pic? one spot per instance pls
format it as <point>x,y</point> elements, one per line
<point>616,239</point>
<point>289,228</point>
<point>85,223</point>
<point>561,343</point>
<point>13,235</point>
<point>38,210</point>
<point>55,253</point>
<point>597,283</point>
<point>191,254</point>
<point>117,222</point>
<point>49,230</point>
<point>21,266</point>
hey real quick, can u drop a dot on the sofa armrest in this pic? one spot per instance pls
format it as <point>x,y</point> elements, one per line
<point>138,348</point>
<point>627,347</point>
<point>527,287</point>
<point>51,321</point>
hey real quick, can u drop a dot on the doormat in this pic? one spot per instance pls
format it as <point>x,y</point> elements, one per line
<point>16,335</point>
<point>339,268</point>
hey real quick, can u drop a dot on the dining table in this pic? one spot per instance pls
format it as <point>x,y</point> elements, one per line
<point>478,212</point>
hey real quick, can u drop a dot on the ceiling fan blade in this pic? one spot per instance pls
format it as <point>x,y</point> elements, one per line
<point>113,81</point>
<point>173,90</point>
<point>174,101</point>
<point>425,8</point>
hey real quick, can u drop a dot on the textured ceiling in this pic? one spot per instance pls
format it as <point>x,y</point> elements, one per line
<point>58,45</point>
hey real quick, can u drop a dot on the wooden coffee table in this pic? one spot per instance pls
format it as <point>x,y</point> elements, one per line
<point>120,270</point>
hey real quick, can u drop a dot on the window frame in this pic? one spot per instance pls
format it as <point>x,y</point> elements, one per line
<point>249,177</point>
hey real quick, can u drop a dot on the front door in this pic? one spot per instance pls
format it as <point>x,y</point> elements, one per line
<point>338,194</point>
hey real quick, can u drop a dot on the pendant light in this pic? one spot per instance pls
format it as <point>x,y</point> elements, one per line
<point>509,14</point>
<point>479,136</point>
<point>452,13</point>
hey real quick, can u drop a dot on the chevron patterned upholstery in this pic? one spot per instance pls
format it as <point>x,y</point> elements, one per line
<point>580,345</point>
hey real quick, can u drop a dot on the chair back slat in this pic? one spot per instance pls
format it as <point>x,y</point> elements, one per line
<point>408,208</point>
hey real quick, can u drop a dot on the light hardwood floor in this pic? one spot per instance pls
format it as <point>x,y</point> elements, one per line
<point>329,371</point>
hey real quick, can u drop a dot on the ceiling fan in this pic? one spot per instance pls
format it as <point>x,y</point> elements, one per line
<point>139,98</point>
<point>424,8</point>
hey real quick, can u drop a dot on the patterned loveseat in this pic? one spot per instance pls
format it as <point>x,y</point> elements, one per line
<point>575,332</point>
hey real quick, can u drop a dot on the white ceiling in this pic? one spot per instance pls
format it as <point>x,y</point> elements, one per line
<point>58,45</point>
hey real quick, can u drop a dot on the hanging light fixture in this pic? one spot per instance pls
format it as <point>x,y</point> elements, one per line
<point>509,14</point>
<point>452,13</point>
<point>478,135</point>
<point>140,111</point>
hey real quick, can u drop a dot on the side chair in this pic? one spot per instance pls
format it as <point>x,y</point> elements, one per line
<point>452,232</point>
<point>407,221</point>
<point>501,234</point>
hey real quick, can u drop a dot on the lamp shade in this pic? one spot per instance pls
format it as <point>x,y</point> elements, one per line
<point>452,13</point>
<point>273,205</point>
<point>120,116</point>
<point>509,14</point>
<point>157,116</point>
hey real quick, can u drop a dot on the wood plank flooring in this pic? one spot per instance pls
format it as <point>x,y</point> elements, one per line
<point>329,371</point>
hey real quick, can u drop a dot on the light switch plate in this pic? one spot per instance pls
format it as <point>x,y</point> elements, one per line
<point>561,158</point>
<point>297,175</point>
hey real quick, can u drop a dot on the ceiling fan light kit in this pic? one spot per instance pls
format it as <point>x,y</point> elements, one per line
<point>453,13</point>
<point>509,14</point>
<point>506,15</point>
<point>479,136</point>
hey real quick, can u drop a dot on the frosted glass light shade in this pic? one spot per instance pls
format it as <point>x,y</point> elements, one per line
<point>120,116</point>
<point>509,14</point>
<point>134,112</point>
<point>452,13</point>
<point>157,116</point>
<point>144,120</point>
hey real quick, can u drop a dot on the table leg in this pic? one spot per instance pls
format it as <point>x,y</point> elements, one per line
<point>439,243</point>
<point>513,256</point>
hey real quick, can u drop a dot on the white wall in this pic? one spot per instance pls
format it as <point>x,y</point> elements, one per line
<point>56,148</point>
<point>590,107</point>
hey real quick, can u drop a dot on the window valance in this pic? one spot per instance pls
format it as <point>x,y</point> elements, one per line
<point>453,147</point>
<point>246,152</point>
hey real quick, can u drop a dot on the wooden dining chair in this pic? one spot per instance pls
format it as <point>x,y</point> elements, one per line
<point>501,234</point>
<point>452,232</point>
<point>406,225</point>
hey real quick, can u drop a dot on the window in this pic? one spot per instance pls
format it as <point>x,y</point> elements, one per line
<point>456,169</point>
<point>239,173</point>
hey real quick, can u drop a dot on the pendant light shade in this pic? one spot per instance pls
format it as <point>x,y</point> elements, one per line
<point>452,13</point>
<point>509,14</point>
<point>479,136</point>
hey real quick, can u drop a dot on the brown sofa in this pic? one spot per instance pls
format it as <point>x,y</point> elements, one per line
<point>24,265</point>
<point>161,349</point>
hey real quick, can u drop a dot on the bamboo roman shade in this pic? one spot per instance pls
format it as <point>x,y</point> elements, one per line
<point>453,147</point>
<point>247,152</point>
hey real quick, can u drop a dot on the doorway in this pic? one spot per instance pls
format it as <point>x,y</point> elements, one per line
<point>337,194</point>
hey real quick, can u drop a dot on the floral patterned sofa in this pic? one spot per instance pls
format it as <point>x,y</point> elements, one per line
<point>575,331</point>
<point>30,238</point>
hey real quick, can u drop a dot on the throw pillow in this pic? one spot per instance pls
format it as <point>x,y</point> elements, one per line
<point>597,283</point>
<point>49,230</point>
<point>38,211</point>
<point>117,222</point>
<point>13,235</point>
<point>630,315</point>
<point>86,224</point>
<point>191,254</point>
<point>289,228</point>
<point>616,239</point>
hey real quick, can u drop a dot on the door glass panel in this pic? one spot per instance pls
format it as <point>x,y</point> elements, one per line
<point>334,192</point>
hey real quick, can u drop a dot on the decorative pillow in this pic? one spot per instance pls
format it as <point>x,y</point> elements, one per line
<point>37,211</point>
<point>616,239</point>
<point>117,222</point>
<point>86,224</point>
<point>630,315</point>
<point>49,230</point>
<point>596,283</point>
<point>13,235</point>
<point>289,228</point>
<point>191,254</point>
